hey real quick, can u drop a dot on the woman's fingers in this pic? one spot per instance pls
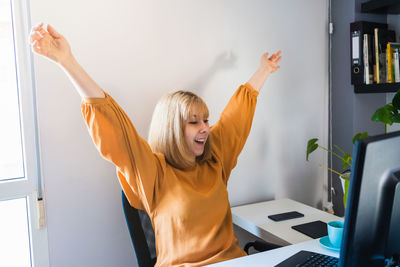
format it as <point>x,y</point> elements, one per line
<point>41,31</point>
<point>37,26</point>
<point>37,48</point>
<point>52,31</point>
<point>276,57</point>
<point>38,32</point>
<point>40,42</point>
<point>48,43</point>
<point>35,36</point>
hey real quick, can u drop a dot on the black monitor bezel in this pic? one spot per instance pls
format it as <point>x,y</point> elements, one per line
<point>359,154</point>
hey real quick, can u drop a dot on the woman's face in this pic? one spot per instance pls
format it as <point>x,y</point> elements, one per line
<point>196,133</point>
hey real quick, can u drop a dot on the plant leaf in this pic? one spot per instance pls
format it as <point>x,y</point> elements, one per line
<point>396,100</point>
<point>396,118</point>
<point>346,160</point>
<point>383,114</point>
<point>360,136</point>
<point>311,146</point>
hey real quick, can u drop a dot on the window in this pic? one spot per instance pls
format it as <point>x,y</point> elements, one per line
<point>23,243</point>
<point>14,232</point>
<point>11,163</point>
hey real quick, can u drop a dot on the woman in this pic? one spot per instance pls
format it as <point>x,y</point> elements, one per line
<point>180,177</point>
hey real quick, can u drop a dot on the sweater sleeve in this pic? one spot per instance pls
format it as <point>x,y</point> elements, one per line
<point>230,132</point>
<point>115,137</point>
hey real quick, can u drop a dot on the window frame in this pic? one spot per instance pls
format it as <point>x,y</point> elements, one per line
<point>29,186</point>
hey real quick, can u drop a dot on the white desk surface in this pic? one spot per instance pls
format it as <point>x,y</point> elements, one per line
<point>274,257</point>
<point>254,219</point>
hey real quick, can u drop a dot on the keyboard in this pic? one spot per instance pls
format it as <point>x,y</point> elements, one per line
<point>308,258</point>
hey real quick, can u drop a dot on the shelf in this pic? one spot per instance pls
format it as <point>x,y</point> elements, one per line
<point>381,7</point>
<point>376,88</point>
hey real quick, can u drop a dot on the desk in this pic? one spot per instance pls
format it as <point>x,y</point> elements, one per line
<point>254,219</point>
<point>273,257</point>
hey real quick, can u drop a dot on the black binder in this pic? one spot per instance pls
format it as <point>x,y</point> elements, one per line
<point>357,31</point>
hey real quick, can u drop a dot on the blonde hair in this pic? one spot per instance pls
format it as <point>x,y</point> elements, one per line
<point>166,134</point>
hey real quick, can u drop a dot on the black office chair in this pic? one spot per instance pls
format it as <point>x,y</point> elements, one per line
<point>260,246</point>
<point>143,239</point>
<point>142,234</point>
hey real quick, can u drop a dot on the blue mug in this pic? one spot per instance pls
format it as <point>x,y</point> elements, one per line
<point>335,233</point>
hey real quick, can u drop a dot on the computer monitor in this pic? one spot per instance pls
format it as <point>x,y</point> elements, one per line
<point>372,230</point>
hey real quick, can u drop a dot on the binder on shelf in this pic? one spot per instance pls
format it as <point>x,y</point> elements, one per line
<point>367,55</point>
<point>377,61</point>
<point>382,37</point>
<point>396,65</point>
<point>357,31</point>
<point>390,55</point>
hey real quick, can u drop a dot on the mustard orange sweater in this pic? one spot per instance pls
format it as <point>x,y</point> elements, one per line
<point>189,209</point>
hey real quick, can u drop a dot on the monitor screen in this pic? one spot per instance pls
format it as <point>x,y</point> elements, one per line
<point>371,232</point>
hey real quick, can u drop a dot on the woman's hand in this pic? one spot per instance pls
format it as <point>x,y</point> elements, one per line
<point>55,47</point>
<point>50,44</point>
<point>270,64</point>
<point>267,66</point>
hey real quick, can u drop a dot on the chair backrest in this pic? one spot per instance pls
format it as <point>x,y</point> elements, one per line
<point>142,234</point>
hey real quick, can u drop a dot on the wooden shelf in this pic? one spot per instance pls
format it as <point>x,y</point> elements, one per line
<point>381,7</point>
<point>376,88</point>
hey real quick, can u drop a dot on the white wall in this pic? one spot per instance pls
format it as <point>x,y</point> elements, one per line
<point>140,50</point>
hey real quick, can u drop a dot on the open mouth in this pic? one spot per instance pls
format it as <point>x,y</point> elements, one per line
<point>200,141</point>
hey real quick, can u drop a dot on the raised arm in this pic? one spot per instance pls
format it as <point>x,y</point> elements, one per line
<point>53,46</point>
<point>230,132</point>
<point>267,66</point>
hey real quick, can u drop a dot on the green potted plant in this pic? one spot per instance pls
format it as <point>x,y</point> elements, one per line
<point>387,114</point>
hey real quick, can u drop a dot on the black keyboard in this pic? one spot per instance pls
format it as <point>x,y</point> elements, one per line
<point>308,258</point>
